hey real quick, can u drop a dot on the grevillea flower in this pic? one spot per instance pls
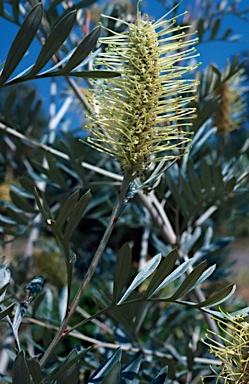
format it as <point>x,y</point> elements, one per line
<point>140,117</point>
<point>233,351</point>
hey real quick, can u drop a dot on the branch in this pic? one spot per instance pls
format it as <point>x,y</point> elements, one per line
<point>62,331</point>
<point>34,143</point>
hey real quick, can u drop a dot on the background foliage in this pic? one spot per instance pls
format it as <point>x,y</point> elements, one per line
<point>165,269</point>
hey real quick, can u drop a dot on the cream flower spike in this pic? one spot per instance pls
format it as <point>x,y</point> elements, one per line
<point>232,351</point>
<point>139,117</point>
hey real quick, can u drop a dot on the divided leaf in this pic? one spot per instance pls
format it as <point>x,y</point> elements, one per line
<point>141,276</point>
<point>22,41</point>
<point>164,269</point>
<point>70,360</point>
<point>189,282</point>
<point>54,41</point>
<point>82,51</point>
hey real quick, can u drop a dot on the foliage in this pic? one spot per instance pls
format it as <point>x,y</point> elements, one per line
<point>133,269</point>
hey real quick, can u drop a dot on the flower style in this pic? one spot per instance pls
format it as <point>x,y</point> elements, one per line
<point>233,351</point>
<point>139,117</point>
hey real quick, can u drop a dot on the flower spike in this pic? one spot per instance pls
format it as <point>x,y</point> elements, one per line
<point>232,350</point>
<point>139,117</point>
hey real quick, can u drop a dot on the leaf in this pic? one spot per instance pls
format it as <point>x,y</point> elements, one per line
<point>206,178</point>
<point>22,41</point>
<point>121,271</point>
<point>194,182</point>
<point>70,360</point>
<point>15,9</point>
<point>71,375</point>
<point>6,311</point>
<point>230,184</point>
<point>188,240</point>
<point>54,173</point>
<point>113,376</point>
<point>54,41</point>
<point>160,379</point>
<point>187,191</point>
<point>142,275</point>
<point>215,28</point>
<point>227,33</point>
<point>179,271</point>
<point>189,282</point>
<point>44,213</point>
<point>218,297</point>
<point>22,203</point>
<point>205,275</point>
<point>27,184</point>
<point>130,369</point>
<point>105,367</point>
<point>9,102</point>
<point>176,194</point>
<point>200,29</point>
<point>20,370</point>
<point>204,133</point>
<point>164,269</point>
<point>22,192</point>
<point>35,370</point>
<point>66,209</point>
<point>4,278</point>
<point>82,51</point>
<point>218,180</point>
<point>76,215</point>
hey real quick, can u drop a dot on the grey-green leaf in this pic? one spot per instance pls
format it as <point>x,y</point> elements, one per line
<point>175,274</point>
<point>122,270</point>
<point>218,297</point>
<point>76,215</point>
<point>70,360</point>
<point>206,177</point>
<point>35,370</point>
<point>71,375</point>
<point>215,28</point>
<point>160,379</point>
<point>44,213</point>
<point>54,41</point>
<point>106,367</point>
<point>4,278</point>
<point>22,41</point>
<point>164,269</point>
<point>66,209</point>
<point>22,203</point>
<point>113,376</point>
<point>141,276</point>
<point>189,282</point>
<point>20,370</point>
<point>84,48</point>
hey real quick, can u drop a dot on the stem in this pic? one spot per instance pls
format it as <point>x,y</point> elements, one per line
<point>63,328</point>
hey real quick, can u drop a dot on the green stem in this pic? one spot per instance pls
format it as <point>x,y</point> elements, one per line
<point>63,328</point>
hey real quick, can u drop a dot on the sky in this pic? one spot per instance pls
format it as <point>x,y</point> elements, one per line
<point>215,52</point>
